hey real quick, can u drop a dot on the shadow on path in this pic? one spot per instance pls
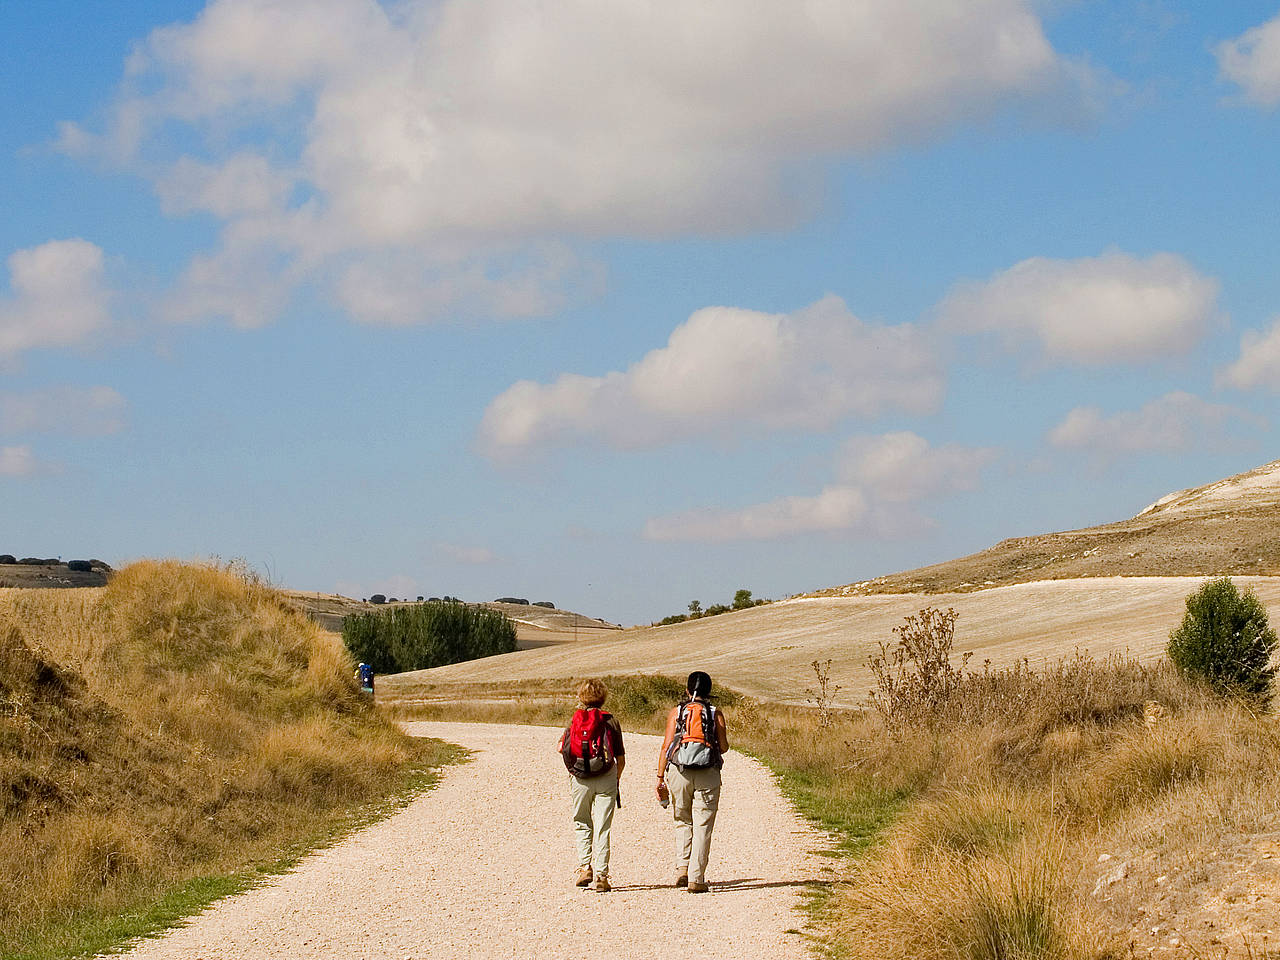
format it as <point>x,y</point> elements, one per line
<point>727,886</point>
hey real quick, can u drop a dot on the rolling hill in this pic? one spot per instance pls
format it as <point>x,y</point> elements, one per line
<point>1229,527</point>
<point>1117,587</point>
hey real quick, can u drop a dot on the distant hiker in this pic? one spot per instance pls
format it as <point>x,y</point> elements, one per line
<point>591,746</point>
<point>364,674</point>
<point>689,774</point>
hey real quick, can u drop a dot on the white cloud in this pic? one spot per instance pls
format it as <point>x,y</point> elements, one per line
<point>1252,61</point>
<point>429,127</point>
<point>1115,308</point>
<point>1173,423</point>
<point>469,555</point>
<point>835,509</point>
<point>82,410</point>
<point>245,183</point>
<point>902,467</point>
<point>878,478</point>
<point>1259,362</point>
<point>18,462</point>
<point>57,297</point>
<point>398,287</point>
<point>727,369</point>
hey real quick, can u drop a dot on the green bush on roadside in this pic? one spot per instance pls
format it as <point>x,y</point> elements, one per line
<point>427,635</point>
<point>1225,640</point>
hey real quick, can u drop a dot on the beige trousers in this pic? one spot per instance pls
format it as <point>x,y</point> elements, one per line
<point>695,798</point>
<point>594,801</point>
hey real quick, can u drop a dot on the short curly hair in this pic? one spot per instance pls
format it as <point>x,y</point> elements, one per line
<point>592,692</point>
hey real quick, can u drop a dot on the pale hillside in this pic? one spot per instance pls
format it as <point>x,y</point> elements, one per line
<point>1231,526</point>
<point>767,651</point>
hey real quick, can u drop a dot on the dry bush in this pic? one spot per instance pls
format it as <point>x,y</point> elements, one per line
<point>915,678</point>
<point>176,722</point>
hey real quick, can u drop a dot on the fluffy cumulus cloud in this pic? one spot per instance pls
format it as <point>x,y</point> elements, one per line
<point>880,479</point>
<point>88,411</point>
<point>835,509</point>
<point>726,369</point>
<point>1259,364</point>
<point>18,462</point>
<point>442,127</point>
<point>1173,423</point>
<point>468,555</point>
<point>1115,308</point>
<point>902,467</point>
<point>1252,61</point>
<point>57,297</point>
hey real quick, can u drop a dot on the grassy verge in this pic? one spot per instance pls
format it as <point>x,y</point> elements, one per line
<point>92,932</point>
<point>166,739</point>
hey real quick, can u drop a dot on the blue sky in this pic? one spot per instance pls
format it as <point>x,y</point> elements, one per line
<point>620,304</point>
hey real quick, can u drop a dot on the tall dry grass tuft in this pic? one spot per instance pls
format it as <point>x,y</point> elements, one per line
<point>179,722</point>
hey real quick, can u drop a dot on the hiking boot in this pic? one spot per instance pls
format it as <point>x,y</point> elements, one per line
<point>602,883</point>
<point>584,877</point>
<point>696,887</point>
<point>682,878</point>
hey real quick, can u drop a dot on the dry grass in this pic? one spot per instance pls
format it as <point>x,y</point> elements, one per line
<point>1022,778</point>
<point>178,723</point>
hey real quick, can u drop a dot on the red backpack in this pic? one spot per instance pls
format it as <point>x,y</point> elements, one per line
<point>586,744</point>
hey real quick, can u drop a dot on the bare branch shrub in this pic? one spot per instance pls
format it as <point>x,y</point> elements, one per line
<point>825,695</point>
<point>915,679</point>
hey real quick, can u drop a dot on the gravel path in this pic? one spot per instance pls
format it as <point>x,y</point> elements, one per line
<point>482,867</point>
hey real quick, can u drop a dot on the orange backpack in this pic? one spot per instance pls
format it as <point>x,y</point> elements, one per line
<point>695,746</point>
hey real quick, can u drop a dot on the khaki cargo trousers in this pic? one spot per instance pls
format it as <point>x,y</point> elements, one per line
<point>593,801</point>
<point>695,798</point>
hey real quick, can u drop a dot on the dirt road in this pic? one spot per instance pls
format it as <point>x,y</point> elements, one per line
<point>481,867</point>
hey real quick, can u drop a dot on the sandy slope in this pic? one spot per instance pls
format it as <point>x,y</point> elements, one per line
<point>481,867</point>
<point>767,651</point>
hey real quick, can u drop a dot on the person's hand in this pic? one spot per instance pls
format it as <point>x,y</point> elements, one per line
<point>663,793</point>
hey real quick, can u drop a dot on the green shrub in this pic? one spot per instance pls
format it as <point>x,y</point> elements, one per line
<point>427,635</point>
<point>1225,640</point>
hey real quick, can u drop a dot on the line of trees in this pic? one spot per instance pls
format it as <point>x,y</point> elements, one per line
<point>430,634</point>
<point>741,601</point>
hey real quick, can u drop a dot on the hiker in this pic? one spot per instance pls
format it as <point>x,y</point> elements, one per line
<point>689,776</point>
<point>364,676</point>
<point>591,746</point>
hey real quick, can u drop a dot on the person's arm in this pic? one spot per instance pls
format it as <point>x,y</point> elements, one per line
<point>722,732</point>
<point>670,735</point>
<point>619,748</point>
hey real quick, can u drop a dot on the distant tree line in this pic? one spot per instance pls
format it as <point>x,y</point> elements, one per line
<point>741,601</point>
<point>427,635</point>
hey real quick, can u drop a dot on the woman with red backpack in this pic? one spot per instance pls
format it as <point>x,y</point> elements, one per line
<point>689,775</point>
<point>592,749</point>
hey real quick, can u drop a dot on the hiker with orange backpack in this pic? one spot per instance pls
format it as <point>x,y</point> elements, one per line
<point>689,776</point>
<point>592,749</point>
